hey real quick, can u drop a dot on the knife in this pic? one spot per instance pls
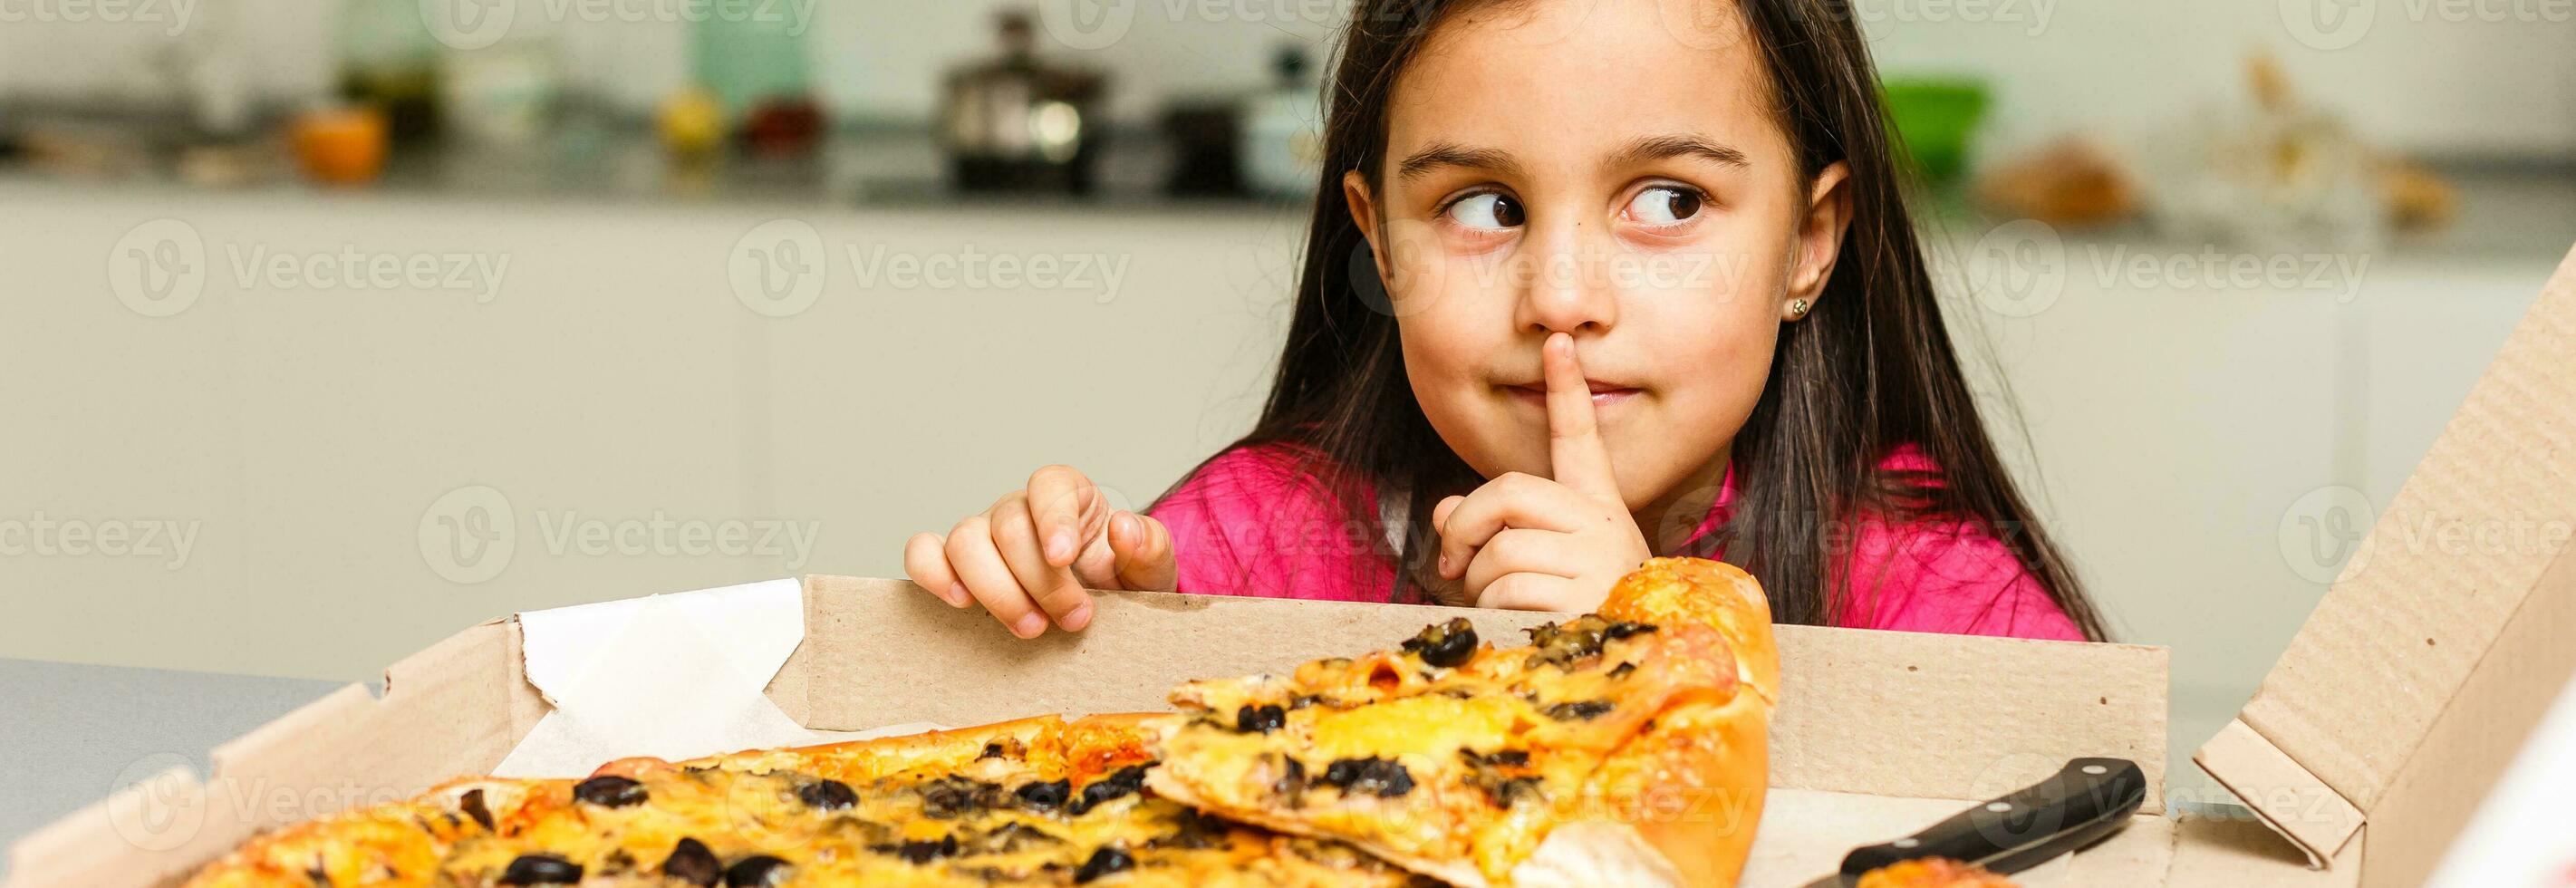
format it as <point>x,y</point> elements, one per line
<point>2087,800</point>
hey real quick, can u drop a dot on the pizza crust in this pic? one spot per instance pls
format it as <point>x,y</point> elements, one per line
<point>1690,787</point>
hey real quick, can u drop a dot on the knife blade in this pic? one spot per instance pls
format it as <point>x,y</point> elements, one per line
<point>2085,801</point>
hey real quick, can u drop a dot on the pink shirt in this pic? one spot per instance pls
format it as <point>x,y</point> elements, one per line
<point>1250,523</point>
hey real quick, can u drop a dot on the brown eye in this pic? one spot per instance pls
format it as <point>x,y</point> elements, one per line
<point>1664,205</point>
<point>1490,212</point>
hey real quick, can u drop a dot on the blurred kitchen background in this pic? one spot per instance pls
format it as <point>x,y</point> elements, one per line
<point>330,327</point>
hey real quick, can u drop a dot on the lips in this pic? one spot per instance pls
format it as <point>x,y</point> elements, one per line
<point>1603,393</point>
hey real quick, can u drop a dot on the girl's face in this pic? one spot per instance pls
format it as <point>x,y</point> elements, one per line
<point>1608,168</point>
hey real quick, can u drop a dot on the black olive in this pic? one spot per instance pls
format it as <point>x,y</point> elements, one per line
<point>609,792</point>
<point>1192,830</point>
<point>1102,863</point>
<point>472,804</point>
<point>991,750</point>
<point>921,851</point>
<point>541,869</point>
<point>1507,758</point>
<point>1579,710</point>
<point>691,862</point>
<point>1125,782</point>
<point>1622,670</point>
<point>1045,796</point>
<point>1292,777</point>
<point>756,871</point>
<point>1623,629</point>
<point>1447,644</point>
<point>1260,719</point>
<point>1510,790</point>
<point>954,795</point>
<point>1561,644</point>
<point>1382,777</point>
<point>1005,839</point>
<point>827,795</point>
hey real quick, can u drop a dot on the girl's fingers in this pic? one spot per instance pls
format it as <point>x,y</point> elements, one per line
<point>1142,547</point>
<point>926,562</point>
<point>1526,591</point>
<point>979,567</point>
<point>1516,550</point>
<point>1054,588</point>
<point>1440,513</point>
<point>1510,500</point>
<point>1067,507</point>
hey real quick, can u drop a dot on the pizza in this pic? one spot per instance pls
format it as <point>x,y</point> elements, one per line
<point>1622,747</point>
<point>1040,801</point>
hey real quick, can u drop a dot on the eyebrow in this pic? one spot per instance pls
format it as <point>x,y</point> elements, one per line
<point>1451,154</point>
<point>1654,148</point>
<point>1642,151</point>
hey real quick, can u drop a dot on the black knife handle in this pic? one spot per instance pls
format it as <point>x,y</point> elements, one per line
<point>2087,800</point>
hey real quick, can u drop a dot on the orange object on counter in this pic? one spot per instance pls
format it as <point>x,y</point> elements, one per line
<point>340,146</point>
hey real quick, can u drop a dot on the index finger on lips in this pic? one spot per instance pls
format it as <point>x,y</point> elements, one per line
<point>1062,500</point>
<point>1576,455</point>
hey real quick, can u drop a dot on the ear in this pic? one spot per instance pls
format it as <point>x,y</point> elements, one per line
<point>1363,207</point>
<point>1820,235</point>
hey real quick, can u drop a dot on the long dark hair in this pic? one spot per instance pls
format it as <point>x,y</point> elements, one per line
<point>1870,369</point>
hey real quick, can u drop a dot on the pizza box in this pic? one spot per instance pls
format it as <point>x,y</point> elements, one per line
<point>2388,719</point>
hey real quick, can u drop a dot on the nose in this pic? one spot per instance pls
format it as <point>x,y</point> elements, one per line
<point>1563,284</point>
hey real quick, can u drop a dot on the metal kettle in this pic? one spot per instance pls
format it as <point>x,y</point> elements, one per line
<point>1020,123</point>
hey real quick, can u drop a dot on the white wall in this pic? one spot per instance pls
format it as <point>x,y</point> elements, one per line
<point>2430,75</point>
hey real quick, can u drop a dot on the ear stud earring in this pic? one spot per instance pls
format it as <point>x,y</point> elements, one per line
<point>1797,309</point>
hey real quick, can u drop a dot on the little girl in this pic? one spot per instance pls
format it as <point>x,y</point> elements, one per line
<point>1590,281</point>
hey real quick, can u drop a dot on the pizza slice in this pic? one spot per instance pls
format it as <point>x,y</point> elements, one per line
<point>1467,762</point>
<point>1039,801</point>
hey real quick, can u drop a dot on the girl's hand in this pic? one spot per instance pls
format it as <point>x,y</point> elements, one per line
<point>1029,557</point>
<point>1529,543</point>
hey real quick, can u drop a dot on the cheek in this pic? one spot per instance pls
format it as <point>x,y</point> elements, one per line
<point>1454,338</point>
<point>1711,348</point>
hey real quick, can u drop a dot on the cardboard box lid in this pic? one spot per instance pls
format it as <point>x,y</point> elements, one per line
<point>2434,653</point>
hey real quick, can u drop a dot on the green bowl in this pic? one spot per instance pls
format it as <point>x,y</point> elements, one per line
<point>1933,119</point>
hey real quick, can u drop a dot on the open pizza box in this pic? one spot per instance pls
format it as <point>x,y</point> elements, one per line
<point>2390,717</point>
